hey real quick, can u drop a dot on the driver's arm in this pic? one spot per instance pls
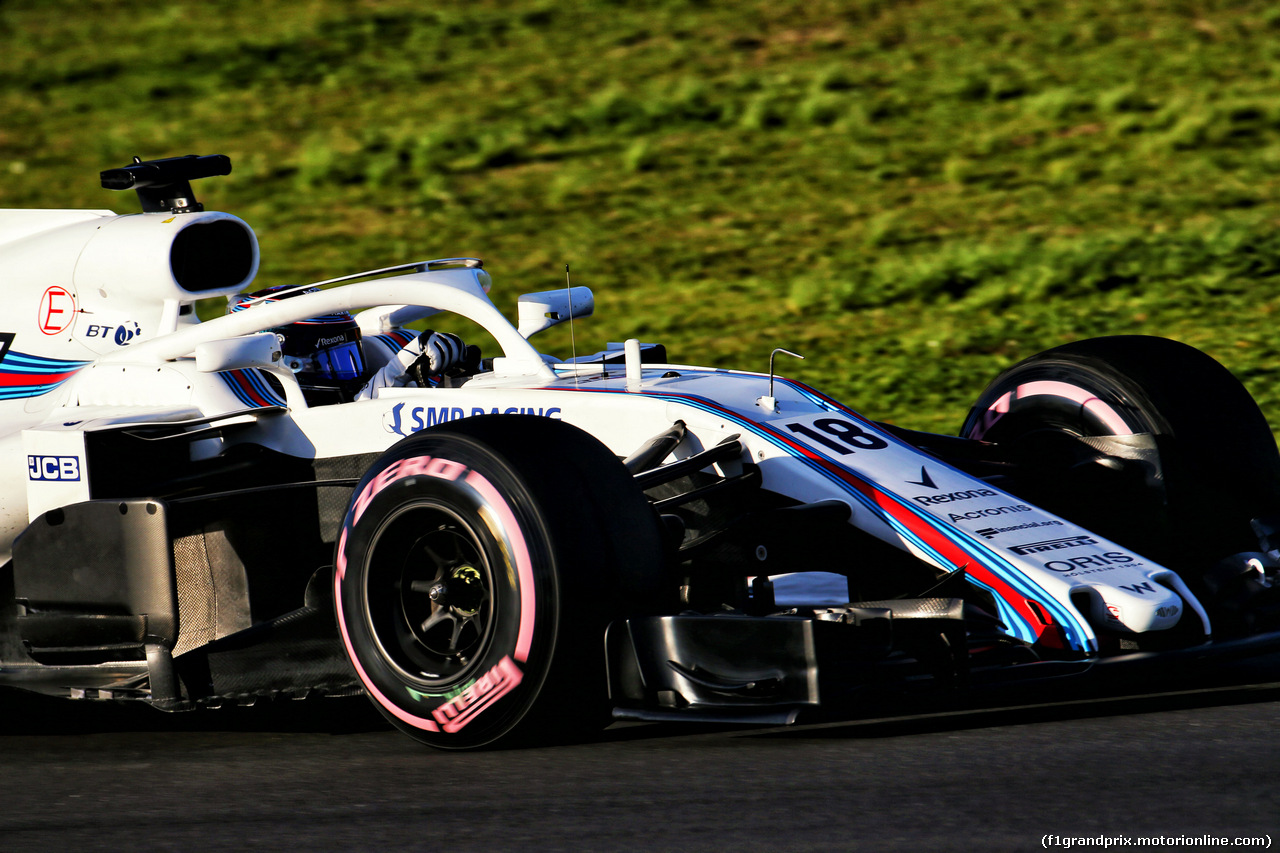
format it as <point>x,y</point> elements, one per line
<point>429,354</point>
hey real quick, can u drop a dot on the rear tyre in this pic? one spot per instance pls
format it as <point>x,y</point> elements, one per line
<point>1210,462</point>
<point>477,568</point>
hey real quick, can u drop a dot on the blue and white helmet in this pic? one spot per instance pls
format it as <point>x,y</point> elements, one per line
<point>323,352</point>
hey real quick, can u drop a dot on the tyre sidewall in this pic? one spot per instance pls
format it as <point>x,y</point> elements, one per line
<point>1218,463</point>
<point>491,695</point>
<point>1124,410</point>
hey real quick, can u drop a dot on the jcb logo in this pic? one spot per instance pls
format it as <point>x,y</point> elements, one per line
<point>53,467</point>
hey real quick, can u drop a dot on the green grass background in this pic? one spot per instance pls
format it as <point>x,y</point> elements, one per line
<point>914,195</point>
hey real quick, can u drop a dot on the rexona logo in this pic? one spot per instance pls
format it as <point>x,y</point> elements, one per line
<point>1053,545</point>
<point>404,419</point>
<point>53,468</point>
<point>952,497</point>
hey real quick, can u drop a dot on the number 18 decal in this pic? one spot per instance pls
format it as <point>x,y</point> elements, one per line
<point>836,434</point>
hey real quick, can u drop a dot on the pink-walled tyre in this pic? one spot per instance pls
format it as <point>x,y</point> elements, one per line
<point>476,570</point>
<point>1193,460</point>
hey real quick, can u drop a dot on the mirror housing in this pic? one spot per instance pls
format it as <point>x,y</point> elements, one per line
<point>260,350</point>
<point>537,312</point>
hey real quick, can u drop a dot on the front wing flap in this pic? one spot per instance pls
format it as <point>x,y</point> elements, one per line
<point>732,666</point>
<point>737,668</point>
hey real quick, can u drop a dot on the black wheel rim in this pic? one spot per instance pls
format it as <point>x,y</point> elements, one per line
<point>429,595</point>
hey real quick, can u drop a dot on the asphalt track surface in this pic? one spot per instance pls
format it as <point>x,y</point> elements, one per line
<point>1193,761</point>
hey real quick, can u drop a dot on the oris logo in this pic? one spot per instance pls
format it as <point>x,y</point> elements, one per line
<point>1094,562</point>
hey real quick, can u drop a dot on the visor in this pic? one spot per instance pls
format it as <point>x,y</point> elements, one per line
<point>342,362</point>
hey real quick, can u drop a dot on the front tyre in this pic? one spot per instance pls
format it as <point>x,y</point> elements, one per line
<point>1210,463</point>
<point>477,568</point>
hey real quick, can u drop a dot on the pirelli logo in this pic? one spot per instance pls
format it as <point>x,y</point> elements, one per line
<point>1053,545</point>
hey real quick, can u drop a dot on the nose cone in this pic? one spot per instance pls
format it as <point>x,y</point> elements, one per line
<point>1137,607</point>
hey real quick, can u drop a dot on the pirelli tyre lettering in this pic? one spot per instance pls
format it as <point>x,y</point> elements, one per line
<point>471,591</point>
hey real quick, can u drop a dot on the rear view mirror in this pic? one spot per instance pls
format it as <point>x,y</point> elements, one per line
<point>260,350</point>
<point>537,312</point>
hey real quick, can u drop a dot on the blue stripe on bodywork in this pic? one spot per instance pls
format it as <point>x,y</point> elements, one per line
<point>25,375</point>
<point>246,383</point>
<point>1077,634</point>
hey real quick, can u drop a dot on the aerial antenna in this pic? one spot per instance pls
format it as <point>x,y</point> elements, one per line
<point>770,403</point>
<point>573,341</point>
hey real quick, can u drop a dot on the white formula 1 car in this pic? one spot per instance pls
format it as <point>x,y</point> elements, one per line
<point>529,545</point>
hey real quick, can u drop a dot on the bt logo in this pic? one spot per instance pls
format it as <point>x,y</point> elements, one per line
<point>121,334</point>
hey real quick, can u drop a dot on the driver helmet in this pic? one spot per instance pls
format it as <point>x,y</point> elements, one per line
<point>323,352</point>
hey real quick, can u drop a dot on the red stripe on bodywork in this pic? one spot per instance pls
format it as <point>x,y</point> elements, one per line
<point>1050,634</point>
<point>18,379</point>
<point>244,385</point>
<point>948,549</point>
